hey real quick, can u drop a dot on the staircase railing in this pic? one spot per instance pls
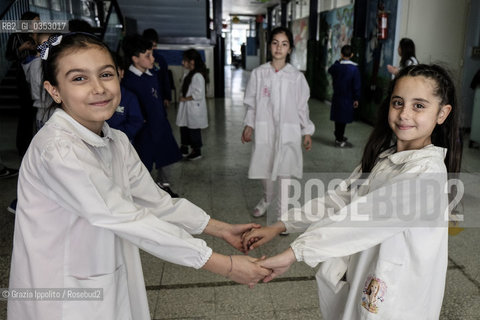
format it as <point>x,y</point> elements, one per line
<point>13,12</point>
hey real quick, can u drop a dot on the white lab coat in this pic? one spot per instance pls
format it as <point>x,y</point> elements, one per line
<point>193,114</point>
<point>85,205</point>
<point>407,255</point>
<point>277,108</point>
<point>41,99</point>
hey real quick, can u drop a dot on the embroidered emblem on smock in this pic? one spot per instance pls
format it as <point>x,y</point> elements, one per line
<point>373,295</point>
<point>120,109</point>
<point>266,92</point>
<point>154,93</point>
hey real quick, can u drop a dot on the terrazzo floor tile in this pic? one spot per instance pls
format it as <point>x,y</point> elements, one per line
<point>237,299</point>
<point>298,314</point>
<point>294,295</point>
<point>186,303</point>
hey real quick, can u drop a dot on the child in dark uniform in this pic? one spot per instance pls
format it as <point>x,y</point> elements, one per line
<point>154,143</point>
<point>128,116</point>
<point>346,93</point>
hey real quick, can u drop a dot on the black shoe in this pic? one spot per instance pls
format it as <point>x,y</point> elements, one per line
<point>194,155</point>
<point>167,189</point>
<point>8,173</point>
<point>184,151</point>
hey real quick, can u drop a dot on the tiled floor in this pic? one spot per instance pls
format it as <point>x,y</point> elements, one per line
<point>218,183</point>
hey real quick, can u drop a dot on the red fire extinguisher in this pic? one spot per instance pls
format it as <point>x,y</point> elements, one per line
<point>382,25</point>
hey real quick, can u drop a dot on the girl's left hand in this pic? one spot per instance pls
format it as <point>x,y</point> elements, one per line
<point>247,134</point>
<point>279,264</point>
<point>307,142</point>
<point>233,234</point>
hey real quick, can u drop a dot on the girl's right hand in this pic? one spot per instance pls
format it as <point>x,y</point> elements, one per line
<point>279,264</point>
<point>393,70</point>
<point>257,237</point>
<point>246,270</point>
<point>247,134</point>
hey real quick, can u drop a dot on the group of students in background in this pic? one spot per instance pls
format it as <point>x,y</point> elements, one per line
<point>83,186</point>
<point>143,114</point>
<point>146,95</point>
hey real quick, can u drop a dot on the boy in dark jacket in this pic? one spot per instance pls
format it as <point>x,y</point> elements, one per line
<point>154,143</point>
<point>346,93</point>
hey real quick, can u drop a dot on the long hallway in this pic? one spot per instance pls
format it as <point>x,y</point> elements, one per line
<point>218,183</point>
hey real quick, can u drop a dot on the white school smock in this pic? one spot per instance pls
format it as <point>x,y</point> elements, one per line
<point>41,99</point>
<point>407,258</point>
<point>277,108</point>
<point>193,114</point>
<point>85,205</point>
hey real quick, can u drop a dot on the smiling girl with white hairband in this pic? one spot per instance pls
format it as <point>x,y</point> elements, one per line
<point>86,203</point>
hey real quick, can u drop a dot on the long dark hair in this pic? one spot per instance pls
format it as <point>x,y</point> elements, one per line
<point>445,135</point>
<point>407,48</point>
<point>189,55</point>
<point>289,35</point>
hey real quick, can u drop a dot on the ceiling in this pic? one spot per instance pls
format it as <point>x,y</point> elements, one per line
<point>246,7</point>
<point>185,18</point>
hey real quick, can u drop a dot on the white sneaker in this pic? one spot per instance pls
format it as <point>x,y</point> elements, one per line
<point>260,208</point>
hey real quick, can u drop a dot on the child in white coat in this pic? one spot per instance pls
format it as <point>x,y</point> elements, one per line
<point>86,203</point>
<point>33,74</point>
<point>382,234</point>
<point>192,114</point>
<point>277,110</point>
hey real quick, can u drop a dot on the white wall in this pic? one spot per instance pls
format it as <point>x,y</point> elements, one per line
<point>438,29</point>
<point>324,5</point>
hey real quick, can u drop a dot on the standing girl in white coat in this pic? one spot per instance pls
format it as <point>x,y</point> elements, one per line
<point>86,203</point>
<point>382,234</point>
<point>192,110</point>
<point>277,110</point>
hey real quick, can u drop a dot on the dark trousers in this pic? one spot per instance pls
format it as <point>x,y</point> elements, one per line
<point>26,115</point>
<point>191,137</point>
<point>339,130</point>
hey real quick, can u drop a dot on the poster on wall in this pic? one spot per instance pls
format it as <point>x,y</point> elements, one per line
<point>300,37</point>
<point>336,30</point>
<point>340,22</point>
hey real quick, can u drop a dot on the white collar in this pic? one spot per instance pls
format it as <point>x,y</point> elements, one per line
<point>407,155</point>
<point>137,72</point>
<point>67,123</point>
<point>287,68</point>
<point>347,62</point>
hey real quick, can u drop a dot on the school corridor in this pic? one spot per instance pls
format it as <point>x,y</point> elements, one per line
<point>218,183</point>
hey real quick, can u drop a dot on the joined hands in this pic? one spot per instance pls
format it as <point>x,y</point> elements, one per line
<point>245,237</point>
